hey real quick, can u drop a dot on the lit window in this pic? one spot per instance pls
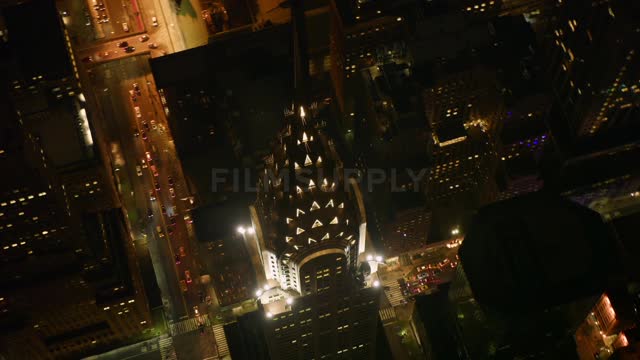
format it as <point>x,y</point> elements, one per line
<point>299,231</point>
<point>307,161</point>
<point>312,240</point>
<point>315,206</point>
<point>316,224</point>
<point>334,221</point>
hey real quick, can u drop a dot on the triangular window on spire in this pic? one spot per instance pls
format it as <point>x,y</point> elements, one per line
<point>287,239</point>
<point>307,161</point>
<point>297,247</point>
<point>315,206</point>
<point>299,231</point>
<point>341,233</point>
<point>316,224</point>
<point>286,162</point>
<point>289,220</point>
<point>319,161</point>
<point>296,166</point>
<point>312,240</point>
<point>325,237</point>
<point>341,206</point>
<point>298,212</point>
<point>330,203</point>
<point>334,221</point>
<point>304,137</point>
<point>349,237</point>
<point>298,189</point>
<point>311,184</point>
<point>298,142</point>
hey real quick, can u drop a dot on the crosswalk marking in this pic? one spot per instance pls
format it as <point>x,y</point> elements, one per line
<point>221,340</point>
<point>393,292</point>
<point>188,325</point>
<point>167,352</point>
<point>387,315</point>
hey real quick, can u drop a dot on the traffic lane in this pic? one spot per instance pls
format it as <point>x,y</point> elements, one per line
<point>122,129</point>
<point>167,236</point>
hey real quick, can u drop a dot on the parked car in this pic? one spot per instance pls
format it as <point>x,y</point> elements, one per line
<point>153,46</point>
<point>187,276</point>
<point>136,109</point>
<point>87,59</point>
<point>152,196</point>
<point>129,49</point>
<point>144,38</point>
<point>123,44</point>
<point>138,170</point>
<point>183,285</point>
<point>154,21</point>
<point>172,192</point>
<point>177,258</point>
<point>182,252</point>
<point>125,27</point>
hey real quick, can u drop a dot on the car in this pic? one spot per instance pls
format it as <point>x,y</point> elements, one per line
<point>136,88</point>
<point>154,126</point>
<point>129,49</point>
<point>157,186</point>
<point>154,170</point>
<point>164,210</point>
<point>105,54</point>
<point>177,258</point>
<point>149,213</point>
<point>183,285</point>
<point>125,27</point>
<point>144,38</point>
<point>144,135</point>
<point>172,192</point>
<point>170,180</point>
<point>145,125</point>
<point>87,59</point>
<point>136,109</point>
<point>123,44</point>
<point>172,220</point>
<point>208,299</point>
<point>170,230</point>
<point>188,219</point>
<point>138,170</point>
<point>153,46</point>
<point>154,21</point>
<point>187,276</point>
<point>152,196</point>
<point>132,95</point>
<point>148,156</point>
<point>104,18</point>
<point>136,133</point>
<point>182,252</point>
<point>195,310</point>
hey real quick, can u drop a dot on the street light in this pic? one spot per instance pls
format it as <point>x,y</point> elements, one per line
<point>455,231</point>
<point>241,230</point>
<point>378,258</point>
<point>250,230</point>
<point>259,292</point>
<point>369,257</point>
<point>376,283</point>
<point>289,301</point>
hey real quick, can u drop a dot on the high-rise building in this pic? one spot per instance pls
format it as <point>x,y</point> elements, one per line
<point>71,287</point>
<point>310,225</point>
<point>596,91</point>
<point>62,295</point>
